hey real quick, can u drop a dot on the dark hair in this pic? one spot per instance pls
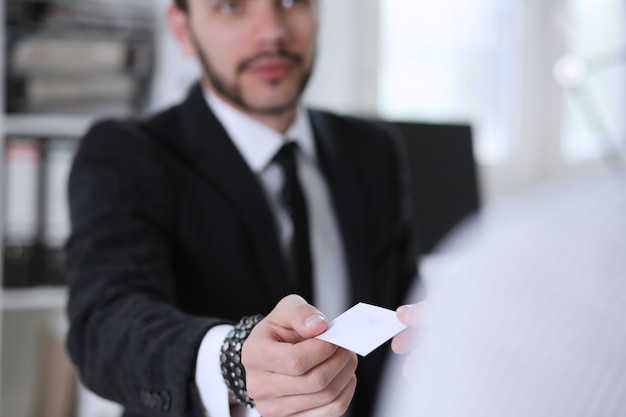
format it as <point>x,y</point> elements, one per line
<point>181,4</point>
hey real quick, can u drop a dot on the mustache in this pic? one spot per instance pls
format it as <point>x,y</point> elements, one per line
<point>281,53</point>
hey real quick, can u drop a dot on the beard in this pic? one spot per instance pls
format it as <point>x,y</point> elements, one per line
<point>232,91</point>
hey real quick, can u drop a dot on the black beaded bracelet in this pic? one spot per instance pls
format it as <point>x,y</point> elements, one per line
<point>230,360</point>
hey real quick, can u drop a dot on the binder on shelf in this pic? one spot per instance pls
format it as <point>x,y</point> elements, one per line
<point>56,224</point>
<point>22,252</point>
<point>71,54</point>
<point>111,95</point>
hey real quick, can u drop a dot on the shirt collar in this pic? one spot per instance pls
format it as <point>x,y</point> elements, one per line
<point>257,142</point>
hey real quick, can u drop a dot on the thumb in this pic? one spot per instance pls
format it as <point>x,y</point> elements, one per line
<point>295,314</point>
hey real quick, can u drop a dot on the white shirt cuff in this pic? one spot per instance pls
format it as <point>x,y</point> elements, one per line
<point>213,391</point>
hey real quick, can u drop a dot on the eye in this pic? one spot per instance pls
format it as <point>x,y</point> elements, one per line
<point>290,3</point>
<point>228,7</point>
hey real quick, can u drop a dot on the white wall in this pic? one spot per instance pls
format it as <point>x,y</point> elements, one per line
<point>538,109</point>
<point>345,78</point>
<point>173,72</point>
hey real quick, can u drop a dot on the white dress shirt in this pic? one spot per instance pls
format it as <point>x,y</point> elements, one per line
<point>258,144</point>
<point>526,313</point>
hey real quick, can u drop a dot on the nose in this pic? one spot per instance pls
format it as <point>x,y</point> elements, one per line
<point>271,28</point>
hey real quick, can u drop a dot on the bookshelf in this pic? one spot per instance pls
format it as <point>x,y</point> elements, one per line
<point>41,125</point>
<point>107,52</point>
<point>40,298</point>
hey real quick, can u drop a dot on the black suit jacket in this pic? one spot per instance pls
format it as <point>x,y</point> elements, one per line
<point>171,235</point>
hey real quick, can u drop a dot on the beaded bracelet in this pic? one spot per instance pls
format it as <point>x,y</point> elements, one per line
<point>230,359</point>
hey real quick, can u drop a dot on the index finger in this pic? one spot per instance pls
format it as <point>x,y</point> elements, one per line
<point>411,314</point>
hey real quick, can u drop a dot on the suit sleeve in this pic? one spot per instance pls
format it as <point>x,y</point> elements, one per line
<point>129,341</point>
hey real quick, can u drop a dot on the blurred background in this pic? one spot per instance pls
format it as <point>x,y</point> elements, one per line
<point>541,85</point>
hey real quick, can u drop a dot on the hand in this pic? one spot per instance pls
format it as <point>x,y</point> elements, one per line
<point>405,341</point>
<point>290,374</point>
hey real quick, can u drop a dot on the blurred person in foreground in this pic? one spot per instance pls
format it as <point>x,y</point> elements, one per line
<point>525,311</point>
<point>211,213</point>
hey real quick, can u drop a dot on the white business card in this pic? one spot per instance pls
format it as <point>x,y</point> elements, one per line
<point>363,328</point>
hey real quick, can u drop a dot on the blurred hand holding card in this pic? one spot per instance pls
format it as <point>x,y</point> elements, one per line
<point>363,328</point>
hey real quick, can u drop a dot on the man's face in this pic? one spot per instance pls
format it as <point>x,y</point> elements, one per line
<point>257,54</point>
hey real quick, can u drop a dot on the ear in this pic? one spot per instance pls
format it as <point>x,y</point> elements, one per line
<point>179,24</point>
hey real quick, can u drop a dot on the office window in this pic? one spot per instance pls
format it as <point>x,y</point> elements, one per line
<point>452,61</point>
<point>595,98</point>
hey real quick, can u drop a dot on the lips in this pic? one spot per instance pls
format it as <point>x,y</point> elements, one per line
<point>271,69</point>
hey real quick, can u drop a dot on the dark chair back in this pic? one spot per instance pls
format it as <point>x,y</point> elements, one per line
<point>443,177</point>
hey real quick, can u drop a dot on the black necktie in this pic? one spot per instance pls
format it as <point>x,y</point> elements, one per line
<point>299,259</point>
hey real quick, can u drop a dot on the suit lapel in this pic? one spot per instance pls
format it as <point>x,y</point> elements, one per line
<point>347,203</point>
<point>214,155</point>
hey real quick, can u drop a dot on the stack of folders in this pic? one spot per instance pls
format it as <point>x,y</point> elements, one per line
<point>77,58</point>
<point>75,76</point>
<point>36,217</point>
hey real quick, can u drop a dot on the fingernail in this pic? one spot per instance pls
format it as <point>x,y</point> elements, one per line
<point>313,319</point>
<point>405,309</point>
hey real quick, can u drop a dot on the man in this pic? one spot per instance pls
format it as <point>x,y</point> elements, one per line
<point>527,317</point>
<point>184,222</point>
